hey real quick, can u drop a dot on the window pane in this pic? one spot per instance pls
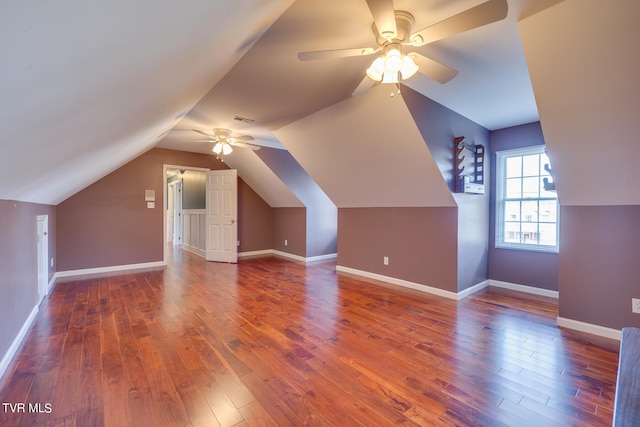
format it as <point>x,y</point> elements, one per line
<point>530,211</point>
<point>530,187</point>
<point>512,232</point>
<point>514,167</point>
<point>512,211</point>
<point>531,165</point>
<point>548,235</point>
<point>514,188</point>
<point>527,214</point>
<point>530,233</point>
<point>548,211</point>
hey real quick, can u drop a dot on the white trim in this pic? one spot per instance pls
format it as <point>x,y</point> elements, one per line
<point>166,166</point>
<point>522,288</point>
<point>589,328</point>
<point>15,345</point>
<point>282,254</point>
<point>195,251</point>
<point>52,283</point>
<point>399,282</point>
<point>82,272</point>
<point>473,289</point>
<point>288,255</point>
<point>322,257</point>
<point>264,252</point>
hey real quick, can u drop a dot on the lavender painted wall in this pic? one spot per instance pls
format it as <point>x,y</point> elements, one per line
<point>536,269</point>
<point>439,126</point>
<point>255,220</point>
<point>420,242</point>
<point>599,268</point>
<point>108,223</point>
<point>290,224</point>
<point>19,264</point>
<point>322,214</point>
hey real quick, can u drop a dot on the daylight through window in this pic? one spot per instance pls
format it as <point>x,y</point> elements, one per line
<point>526,213</point>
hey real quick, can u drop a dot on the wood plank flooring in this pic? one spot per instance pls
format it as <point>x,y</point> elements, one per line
<point>270,342</point>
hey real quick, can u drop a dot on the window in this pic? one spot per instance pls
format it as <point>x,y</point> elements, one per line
<point>526,214</point>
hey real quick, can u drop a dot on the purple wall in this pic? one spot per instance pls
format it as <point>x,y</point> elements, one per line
<point>321,213</point>
<point>290,224</point>
<point>599,264</point>
<point>19,264</point>
<point>108,223</point>
<point>420,242</point>
<point>536,269</point>
<point>439,126</point>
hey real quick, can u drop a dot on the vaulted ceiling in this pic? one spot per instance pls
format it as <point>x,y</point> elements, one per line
<point>86,87</point>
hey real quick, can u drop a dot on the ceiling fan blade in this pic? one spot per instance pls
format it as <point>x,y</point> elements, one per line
<point>336,53</point>
<point>385,17</point>
<point>243,145</point>
<point>483,14</point>
<point>365,85</point>
<point>433,69</point>
<point>243,138</point>
<point>203,133</point>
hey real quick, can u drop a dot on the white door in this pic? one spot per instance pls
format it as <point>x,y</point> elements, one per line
<point>43,255</point>
<point>170,213</point>
<point>177,213</point>
<point>222,215</point>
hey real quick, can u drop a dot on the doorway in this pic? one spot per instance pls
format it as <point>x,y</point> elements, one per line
<point>179,218</point>
<point>43,256</point>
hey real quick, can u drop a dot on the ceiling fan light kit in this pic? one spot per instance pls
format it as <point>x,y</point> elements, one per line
<point>222,148</point>
<point>393,30</point>
<point>223,142</point>
<point>386,67</point>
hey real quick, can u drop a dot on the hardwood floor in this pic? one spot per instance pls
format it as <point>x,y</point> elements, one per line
<point>269,342</point>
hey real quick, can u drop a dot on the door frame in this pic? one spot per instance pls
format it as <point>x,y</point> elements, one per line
<point>42,288</point>
<point>165,168</point>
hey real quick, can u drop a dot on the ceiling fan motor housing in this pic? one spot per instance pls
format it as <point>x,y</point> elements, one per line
<point>404,25</point>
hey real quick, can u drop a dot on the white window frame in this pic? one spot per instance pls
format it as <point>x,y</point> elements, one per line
<point>501,163</point>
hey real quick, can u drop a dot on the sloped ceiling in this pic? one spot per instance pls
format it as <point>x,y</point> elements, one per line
<point>584,68</point>
<point>262,179</point>
<point>87,86</point>
<point>360,160</point>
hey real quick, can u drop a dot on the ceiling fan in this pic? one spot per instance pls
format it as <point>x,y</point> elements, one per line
<point>224,141</point>
<point>393,31</point>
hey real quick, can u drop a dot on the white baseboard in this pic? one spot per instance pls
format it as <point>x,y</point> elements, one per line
<point>15,345</point>
<point>399,282</point>
<point>322,257</point>
<point>523,288</point>
<point>473,289</point>
<point>111,269</point>
<point>287,255</point>
<point>589,328</point>
<point>249,254</point>
<point>193,250</point>
<point>52,283</point>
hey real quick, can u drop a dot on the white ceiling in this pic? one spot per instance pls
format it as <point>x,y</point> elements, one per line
<point>270,85</point>
<point>87,86</point>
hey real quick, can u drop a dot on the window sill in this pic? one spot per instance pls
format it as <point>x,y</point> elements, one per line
<point>528,248</point>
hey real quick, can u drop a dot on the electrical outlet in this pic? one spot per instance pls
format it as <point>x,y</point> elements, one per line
<point>238,242</point>
<point>635,305</point>
<point>385,260</point>
<point>52,262</point>
<point>285,243</point>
